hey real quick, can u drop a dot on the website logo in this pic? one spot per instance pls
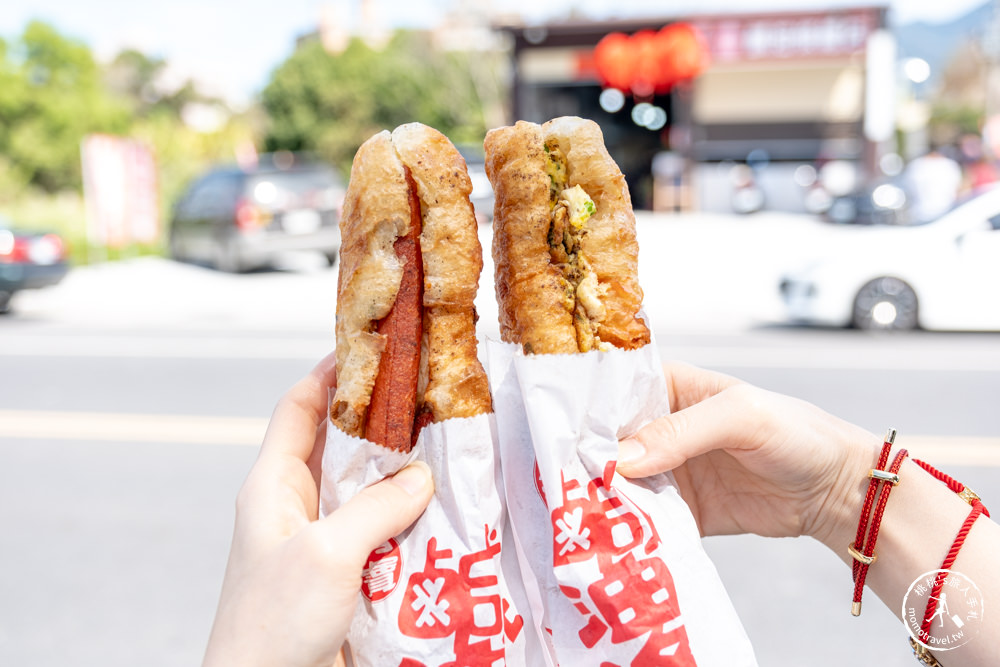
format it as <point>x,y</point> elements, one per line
<point>958,614</point>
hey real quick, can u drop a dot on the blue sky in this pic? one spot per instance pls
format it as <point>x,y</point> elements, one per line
<point>231,46</point>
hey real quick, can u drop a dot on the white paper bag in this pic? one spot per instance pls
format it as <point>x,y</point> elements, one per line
<point>614,571</point>
<point>436,596</point>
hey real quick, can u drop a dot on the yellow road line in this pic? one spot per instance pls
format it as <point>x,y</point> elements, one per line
<point>122,427</point>
<point>194,429</point>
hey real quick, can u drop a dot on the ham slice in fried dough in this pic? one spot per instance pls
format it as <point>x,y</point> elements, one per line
<point>417,162</point>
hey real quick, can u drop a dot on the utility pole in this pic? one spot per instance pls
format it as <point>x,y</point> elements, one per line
<point>991,50</point>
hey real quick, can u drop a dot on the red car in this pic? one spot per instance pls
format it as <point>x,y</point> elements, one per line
<point>28,260</point>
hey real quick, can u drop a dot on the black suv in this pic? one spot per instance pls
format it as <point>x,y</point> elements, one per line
<point>238,219</point>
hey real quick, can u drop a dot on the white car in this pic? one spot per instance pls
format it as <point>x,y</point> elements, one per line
<point>942,275</point>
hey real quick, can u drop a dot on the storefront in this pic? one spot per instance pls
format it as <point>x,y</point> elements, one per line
<point>782,90</point>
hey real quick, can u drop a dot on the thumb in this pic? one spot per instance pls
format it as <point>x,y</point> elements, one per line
<point>669,441</point>
<point>381,511</point>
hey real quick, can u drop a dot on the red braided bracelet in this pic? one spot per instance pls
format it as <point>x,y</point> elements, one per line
<point>964,492</point>
<point>862,550</point>
<point>969,496</point>
<point>866,508</point>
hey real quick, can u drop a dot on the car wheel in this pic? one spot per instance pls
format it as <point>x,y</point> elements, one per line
<point>5,298</point>
<point>331,259</point>
<point>886,303</point>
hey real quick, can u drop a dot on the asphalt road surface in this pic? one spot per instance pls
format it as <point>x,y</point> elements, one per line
<point>133,398</point>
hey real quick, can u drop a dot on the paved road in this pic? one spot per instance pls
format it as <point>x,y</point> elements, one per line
<point>135,394</point>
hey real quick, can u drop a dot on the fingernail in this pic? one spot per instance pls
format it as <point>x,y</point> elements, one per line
<point>413,478</point>
<point>630,450</point>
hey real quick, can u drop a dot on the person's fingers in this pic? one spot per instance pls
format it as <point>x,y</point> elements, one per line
<point>379,512</point>
<point>687,384</point>
<point>299,413</point>
<point>315,462</point>
<point>715,423</point>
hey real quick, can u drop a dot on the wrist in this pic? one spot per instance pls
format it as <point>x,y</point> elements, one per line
<point>922,511</point>
<point>837,523</point>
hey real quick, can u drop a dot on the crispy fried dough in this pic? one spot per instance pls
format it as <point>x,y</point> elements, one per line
<point>457,384</point>
<point>453,256</point>
<point>610,244</point>
<point>453,260</point>
<point>376,212</point>
<point>531,290</point>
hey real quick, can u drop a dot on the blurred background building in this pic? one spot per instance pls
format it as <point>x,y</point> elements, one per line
<point>810,107</point>
<point>805,110</point>
<point>793,110</point>
<point>782,90</point>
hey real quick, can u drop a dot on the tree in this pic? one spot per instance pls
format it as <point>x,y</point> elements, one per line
<point>330,104</point>
<point>51,96</point>
<point>138,78</point>
<point>960,103</point>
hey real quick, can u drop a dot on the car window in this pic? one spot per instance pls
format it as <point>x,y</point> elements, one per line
<point>300,188</point>
<point>214,195</point>
<point>185,205</point>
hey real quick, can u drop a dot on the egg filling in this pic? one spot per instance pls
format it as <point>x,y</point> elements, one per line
<point>572,208</point>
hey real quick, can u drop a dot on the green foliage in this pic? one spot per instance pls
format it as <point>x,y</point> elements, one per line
<point>949,121</point>
<point>135,78</point>
<point>53,93</point>
<point>51,96</point>
<point>182,153</point>
<point>331,103</point>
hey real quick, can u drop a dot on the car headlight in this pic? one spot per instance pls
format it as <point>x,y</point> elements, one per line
<point>6,242</point>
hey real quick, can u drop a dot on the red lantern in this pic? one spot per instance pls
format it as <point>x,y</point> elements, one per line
<point>651,62</point>
<point>615,61</point>
<point>647,75</point>
<point>683,53</point>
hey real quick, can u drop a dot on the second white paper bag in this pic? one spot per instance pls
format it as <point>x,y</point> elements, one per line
<point>614,570</point>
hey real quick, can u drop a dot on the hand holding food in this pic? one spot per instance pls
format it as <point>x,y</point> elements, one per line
<point>408,365</point>
<point>749,460</point>
<point>292,580</point>
<point>752,461</point>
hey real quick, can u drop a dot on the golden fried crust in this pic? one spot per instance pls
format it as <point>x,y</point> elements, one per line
<point>610,244</point>
<point>449,240</point>
<point>530,290</point>
<point>453,261</point>
<point>457,385</point>
<point>376,212</point>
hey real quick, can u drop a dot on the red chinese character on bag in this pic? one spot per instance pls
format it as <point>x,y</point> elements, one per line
<point>440,602</point>
<point>381,573</point>
<point>592,522</point>
<point>635,595</point>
